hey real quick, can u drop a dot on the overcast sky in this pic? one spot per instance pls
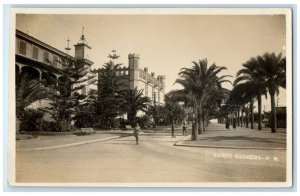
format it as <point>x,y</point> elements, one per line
<point>165,43</point>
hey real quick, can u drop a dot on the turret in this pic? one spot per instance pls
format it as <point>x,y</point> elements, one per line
<point>133,70</point>
<point>82,52</point>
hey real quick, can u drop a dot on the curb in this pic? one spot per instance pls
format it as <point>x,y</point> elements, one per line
<point>66,145</point>
<point>225,147</point>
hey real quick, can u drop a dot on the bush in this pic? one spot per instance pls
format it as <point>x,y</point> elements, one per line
<point>31,120</point>
<point>145,121</point>
<point>51,126</point>
<point>84,120</point>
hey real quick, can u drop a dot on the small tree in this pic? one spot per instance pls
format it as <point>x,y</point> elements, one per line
<point>174,112</point>
<point>69,99</point>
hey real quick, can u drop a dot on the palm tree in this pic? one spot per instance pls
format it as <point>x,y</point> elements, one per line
<point>134,101</point>
<point>28,91</point>
<point>199,84</point>
<point>255,83</point>
<point>272,68</point>
<point>155,111</point>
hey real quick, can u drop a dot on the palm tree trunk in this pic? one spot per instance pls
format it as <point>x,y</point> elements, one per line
<point>200,119</point>
<point>196,125</point>
<point>238,117</point>
<point>273,113</point>
<point>252,113</point>
<point>247,118</point>
<point>204,120</point>
<point>173,130</point>
<point>242,118</point>
<point>259,112</point>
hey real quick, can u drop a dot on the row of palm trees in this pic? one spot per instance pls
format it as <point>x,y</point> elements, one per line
<point>260,76</point>
<point>203,92</point>
<point>202,88</point>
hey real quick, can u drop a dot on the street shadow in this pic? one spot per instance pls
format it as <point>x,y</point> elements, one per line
<point>114,143</point>
<point>252,139</point>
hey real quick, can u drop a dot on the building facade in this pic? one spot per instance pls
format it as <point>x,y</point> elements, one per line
<point>134,76</point>
<point>37,60</point>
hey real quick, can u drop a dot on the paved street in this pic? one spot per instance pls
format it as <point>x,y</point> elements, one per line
<point>156,159</point>
<point>241,137</point>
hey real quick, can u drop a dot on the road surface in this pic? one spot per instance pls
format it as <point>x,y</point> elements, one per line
<point>155,159</point>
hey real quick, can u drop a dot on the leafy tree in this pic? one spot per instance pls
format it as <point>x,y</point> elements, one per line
<point>173,111</point>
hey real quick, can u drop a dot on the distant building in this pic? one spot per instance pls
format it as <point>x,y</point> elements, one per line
<point>133,76</point>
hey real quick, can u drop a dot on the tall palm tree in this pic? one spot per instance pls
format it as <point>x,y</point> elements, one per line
<point>134,101</point>
<point>199,82</point>
<point>254,80</point>
<point>272,68</point>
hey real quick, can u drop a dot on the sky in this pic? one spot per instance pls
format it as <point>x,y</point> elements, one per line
<point>166,43</point>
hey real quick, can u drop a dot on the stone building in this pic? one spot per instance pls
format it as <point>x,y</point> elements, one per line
<point>39,60</point>
<point>134,76</point>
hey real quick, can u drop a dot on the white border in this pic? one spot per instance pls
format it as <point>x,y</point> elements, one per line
<point>151,11</point>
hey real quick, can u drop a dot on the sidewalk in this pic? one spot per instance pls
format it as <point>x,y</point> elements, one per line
<point>55,142</point>
<point>217,136</point>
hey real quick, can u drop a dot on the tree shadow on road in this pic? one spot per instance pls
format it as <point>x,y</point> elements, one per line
<point>244,138</point>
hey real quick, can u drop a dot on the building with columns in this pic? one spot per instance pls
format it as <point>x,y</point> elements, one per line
<point>134,76</point>
<point>36,60</point>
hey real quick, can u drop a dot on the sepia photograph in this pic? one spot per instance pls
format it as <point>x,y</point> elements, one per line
<point>148,97</point>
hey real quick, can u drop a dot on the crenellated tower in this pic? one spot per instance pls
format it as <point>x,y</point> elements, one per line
<point>133,70</point>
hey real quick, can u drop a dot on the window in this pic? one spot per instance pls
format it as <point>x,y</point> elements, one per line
<point>35,53</point>
<point>55,61</point>
<point>22,49</point>
<point>46,57</point>
<point>84,91</point>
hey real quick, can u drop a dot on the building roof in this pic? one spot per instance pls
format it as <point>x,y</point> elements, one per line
<point>41,44</point>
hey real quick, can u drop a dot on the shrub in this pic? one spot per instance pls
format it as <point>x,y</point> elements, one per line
<point>31,120</point>
<point>145,121</point>
<point>83,120</point>
<point>51,126</point>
